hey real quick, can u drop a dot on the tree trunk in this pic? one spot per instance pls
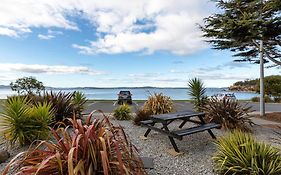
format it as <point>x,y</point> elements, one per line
<point>262,105</point>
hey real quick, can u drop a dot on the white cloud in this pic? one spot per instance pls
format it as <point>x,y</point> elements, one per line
<point>50,34</point>
<point>45,37</point>
<point>50,69</point>
<point>122,26</point>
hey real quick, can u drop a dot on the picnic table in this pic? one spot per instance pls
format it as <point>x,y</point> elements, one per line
<point>184,116</point>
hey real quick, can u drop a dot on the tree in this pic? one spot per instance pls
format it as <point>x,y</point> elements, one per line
<point>243,25</point>
<point>197,92</point>
<point>272,86</point>
<point>248,28</point>
<point>27,85</point>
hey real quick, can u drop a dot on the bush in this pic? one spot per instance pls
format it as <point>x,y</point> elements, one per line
<point>239,153</point>
<point>25,123</point>
<point>61,103</point>
<point>78,101</point>
<point>267,99</point>
<point>197,92</point>
<point>141,115</point>
<point>228,113</point>
<point>123,112</point>
<point>65,105</point>
<point>95,147</point>
<point>158,104</point>
<point>255,99</point>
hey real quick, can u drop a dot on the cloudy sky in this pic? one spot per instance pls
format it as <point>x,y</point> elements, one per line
<point>111,43</point>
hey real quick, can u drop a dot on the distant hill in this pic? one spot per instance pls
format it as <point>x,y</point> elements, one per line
<point>4,86</point>
<point>247,85</point>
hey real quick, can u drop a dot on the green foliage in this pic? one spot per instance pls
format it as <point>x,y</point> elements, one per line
<point>27,85</point>
<point>197,92</point>
<point>241,24</point>
<point>65,105</point>
<point>141,115</point>
<point>158,104</point>
<point>272,85</point>
<point>247,82</point>
<point>123,112</point>
<point>267,99</point>
<point>23,123</point>
<point>78,101</point>
<point>96,147</point>
<point>229,113</point>
<point>240,153</point>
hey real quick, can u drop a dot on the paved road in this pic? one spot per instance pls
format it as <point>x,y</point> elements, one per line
<point>109,106</point>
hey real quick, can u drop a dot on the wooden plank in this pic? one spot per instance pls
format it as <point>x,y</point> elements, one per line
<point>196,129</point>
<point>146,122</point>
<point>178,115</point>
<point>163,131</point>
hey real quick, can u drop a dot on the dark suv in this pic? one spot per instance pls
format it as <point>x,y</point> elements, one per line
<point>124,96</point>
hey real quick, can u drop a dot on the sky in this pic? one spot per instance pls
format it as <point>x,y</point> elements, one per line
<point>113,43</point>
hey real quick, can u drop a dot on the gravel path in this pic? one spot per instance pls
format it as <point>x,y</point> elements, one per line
<point>197,149</point>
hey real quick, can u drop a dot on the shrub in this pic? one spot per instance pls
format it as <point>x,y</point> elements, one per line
<point>255,99</point>
<point>123,112</point>
<point>65,105</point>
<point>197,92</point>
<point>240,153</point>
<point>141,115</point>
<point>267,99</point>
<point>95,147</point>
<point>78,101</point>
<point>24,123</point>
<point>158,104</point>
<point>277,99</point>
<point>61,103</point>
<point>229,113</point>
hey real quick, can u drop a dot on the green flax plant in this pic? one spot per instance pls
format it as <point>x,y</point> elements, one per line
<point>78,100</point>
<point>197,92</point>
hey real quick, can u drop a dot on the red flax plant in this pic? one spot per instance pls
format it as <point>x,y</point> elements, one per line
<point>91,148</point>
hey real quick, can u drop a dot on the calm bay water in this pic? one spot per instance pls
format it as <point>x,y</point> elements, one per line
<point>138,93</point>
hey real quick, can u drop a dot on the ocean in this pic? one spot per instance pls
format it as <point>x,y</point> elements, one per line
<point>138,93</point>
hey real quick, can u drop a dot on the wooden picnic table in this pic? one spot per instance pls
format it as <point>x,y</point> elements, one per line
<point>184,116</point>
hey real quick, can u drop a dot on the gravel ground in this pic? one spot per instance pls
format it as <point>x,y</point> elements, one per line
<point>197,149</point>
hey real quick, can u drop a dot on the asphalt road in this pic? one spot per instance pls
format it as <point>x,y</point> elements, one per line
<point>109,106</point>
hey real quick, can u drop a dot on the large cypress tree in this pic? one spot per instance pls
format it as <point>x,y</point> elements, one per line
<point>242,25</point>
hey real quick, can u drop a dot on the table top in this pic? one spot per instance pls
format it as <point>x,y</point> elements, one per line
<point>176,115</point>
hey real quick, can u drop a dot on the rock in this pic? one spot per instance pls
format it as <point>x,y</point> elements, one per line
<point>4,155</point>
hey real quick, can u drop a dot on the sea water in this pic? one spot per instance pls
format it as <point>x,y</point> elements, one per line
<point>138,93</point>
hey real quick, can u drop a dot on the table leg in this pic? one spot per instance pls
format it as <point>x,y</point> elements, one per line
<point>171,138</point>
<point>169,122</point>
<point>209,131</point>
<point>148,130</point>
<point>183,123</point>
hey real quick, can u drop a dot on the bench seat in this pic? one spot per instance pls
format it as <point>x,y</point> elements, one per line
<point>145,122</point>
<point>196,129</point>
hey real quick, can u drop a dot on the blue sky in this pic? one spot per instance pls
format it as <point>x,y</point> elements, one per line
<point>113,43</point>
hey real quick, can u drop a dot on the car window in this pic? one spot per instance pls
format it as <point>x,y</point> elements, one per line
<point>125,92</point>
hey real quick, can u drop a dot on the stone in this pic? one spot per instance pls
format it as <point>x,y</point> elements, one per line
<point>4,155</point>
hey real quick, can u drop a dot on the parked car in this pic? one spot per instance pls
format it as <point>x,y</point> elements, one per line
<point>124,97</point>
<point>222,96</point>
